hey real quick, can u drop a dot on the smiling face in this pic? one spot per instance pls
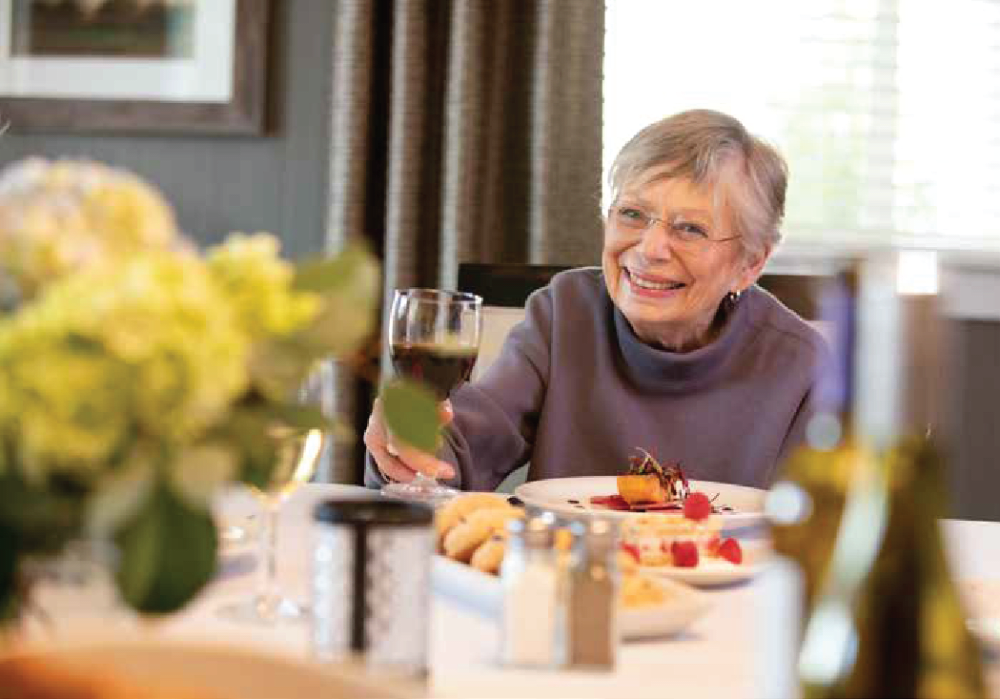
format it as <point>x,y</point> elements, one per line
<point>667,284</point>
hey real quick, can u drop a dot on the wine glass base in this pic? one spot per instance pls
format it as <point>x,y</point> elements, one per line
<point>265,610</point>
<point>431,493</point>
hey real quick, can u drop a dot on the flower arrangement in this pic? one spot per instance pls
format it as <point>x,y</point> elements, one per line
<point>138,375</point>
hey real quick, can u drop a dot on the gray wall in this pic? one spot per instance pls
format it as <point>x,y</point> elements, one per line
<point>274,183</point>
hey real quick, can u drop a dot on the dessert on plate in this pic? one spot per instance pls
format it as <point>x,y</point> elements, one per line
<point>649,482</point>
<point>683,540</point>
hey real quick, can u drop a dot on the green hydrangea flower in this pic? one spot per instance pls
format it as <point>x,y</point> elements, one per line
<point>57,217</point>
<point>149,347</point>
<point>259,284</point>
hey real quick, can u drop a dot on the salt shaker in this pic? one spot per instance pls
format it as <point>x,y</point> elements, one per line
<point>589,627</point>
<point>530,594</point>
<point>371,574</point>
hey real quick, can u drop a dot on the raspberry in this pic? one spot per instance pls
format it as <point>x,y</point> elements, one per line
<point>697,506</point>
<point>730,550</point>
<point>631,550</point>
<point>684,553</point>
<point>712,546</point>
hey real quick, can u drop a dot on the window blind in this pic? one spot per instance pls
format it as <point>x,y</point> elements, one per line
<point>888,111</point>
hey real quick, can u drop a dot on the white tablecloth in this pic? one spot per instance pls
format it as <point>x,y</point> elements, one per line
<point>731,651</point>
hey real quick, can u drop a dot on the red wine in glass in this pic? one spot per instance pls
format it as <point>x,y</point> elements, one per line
<point>440,367</point>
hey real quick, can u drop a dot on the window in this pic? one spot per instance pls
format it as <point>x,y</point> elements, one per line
<point>888,111</point>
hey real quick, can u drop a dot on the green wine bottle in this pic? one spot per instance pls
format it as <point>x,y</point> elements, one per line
<point>882,615</point>
<point>921,633</point>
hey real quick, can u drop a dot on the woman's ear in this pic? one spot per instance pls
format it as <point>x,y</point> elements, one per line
<point>753,265</point>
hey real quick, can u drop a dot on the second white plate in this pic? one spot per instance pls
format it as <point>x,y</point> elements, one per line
<point>716,572</point>
<point>710,573</point>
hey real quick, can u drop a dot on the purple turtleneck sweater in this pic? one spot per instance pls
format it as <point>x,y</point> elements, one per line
<point>574,391</point>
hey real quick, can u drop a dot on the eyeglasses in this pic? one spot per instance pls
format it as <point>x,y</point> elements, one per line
<point>686,235</point>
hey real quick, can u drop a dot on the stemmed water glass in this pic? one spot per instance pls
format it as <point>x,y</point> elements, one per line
<point>433,338</point>
<point>298,455</point>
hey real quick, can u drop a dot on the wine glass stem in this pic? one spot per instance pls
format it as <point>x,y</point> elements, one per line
<point>268,587</point>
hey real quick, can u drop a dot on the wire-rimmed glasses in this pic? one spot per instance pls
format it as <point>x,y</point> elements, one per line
<point>687,235</point>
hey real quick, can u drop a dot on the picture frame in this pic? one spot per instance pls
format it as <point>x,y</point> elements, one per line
<point>66,78</point>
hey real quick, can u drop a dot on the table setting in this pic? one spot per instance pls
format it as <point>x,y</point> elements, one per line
<point>731,631</point>
<point>722,652</point>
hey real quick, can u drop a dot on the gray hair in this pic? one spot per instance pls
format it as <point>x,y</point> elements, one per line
<point>711,148</point>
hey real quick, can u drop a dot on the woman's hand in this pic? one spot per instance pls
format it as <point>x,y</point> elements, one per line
<point>399,462</point>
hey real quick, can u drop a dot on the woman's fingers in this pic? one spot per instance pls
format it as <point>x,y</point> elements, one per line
<point>401,462</point>
<point>426,464</point>
<point>393,468</point>
<point>446,412</point>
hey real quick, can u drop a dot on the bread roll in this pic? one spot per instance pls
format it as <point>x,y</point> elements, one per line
<point>454,511</point>
<point>462,540</point>
<point>489,555</point>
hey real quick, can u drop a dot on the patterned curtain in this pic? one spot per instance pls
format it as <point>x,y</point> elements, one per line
<point>463,131</point>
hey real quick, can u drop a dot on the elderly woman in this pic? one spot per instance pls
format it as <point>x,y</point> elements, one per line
<point>669,346</point>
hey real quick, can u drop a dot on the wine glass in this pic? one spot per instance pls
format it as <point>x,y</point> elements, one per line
<point>297,456</point>
<point>434,339</point>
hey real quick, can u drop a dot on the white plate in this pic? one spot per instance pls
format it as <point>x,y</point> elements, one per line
<point>683,606</point>
<point>556,494</point>
<point>142,666</point>
<point>483,594</point>
<point>712,571</point>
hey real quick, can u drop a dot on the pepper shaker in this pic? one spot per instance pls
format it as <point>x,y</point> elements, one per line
<point>590,623</point>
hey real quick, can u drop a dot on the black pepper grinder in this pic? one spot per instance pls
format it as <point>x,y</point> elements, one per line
<point>371,583</point>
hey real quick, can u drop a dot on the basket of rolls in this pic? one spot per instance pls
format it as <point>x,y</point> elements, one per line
<point>472,529</point>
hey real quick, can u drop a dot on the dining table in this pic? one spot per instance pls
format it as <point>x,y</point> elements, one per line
<point>740,647</point>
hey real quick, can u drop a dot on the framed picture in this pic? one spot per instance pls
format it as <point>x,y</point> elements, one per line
<point>192,66</point>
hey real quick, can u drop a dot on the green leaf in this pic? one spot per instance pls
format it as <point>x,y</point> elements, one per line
<point>341,328</point>
<point>278,365</point>
<point>350,285</point>
<point>44,516</point>
<point>300,417</point>
<point>8,574</point>
<point>167,553</point>
<point>411,414</point>
<point>258,460</point>
<point>354,268</point>
<point>247,431</point>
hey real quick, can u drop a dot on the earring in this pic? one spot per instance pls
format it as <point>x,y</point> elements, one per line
<point>734,296</point>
